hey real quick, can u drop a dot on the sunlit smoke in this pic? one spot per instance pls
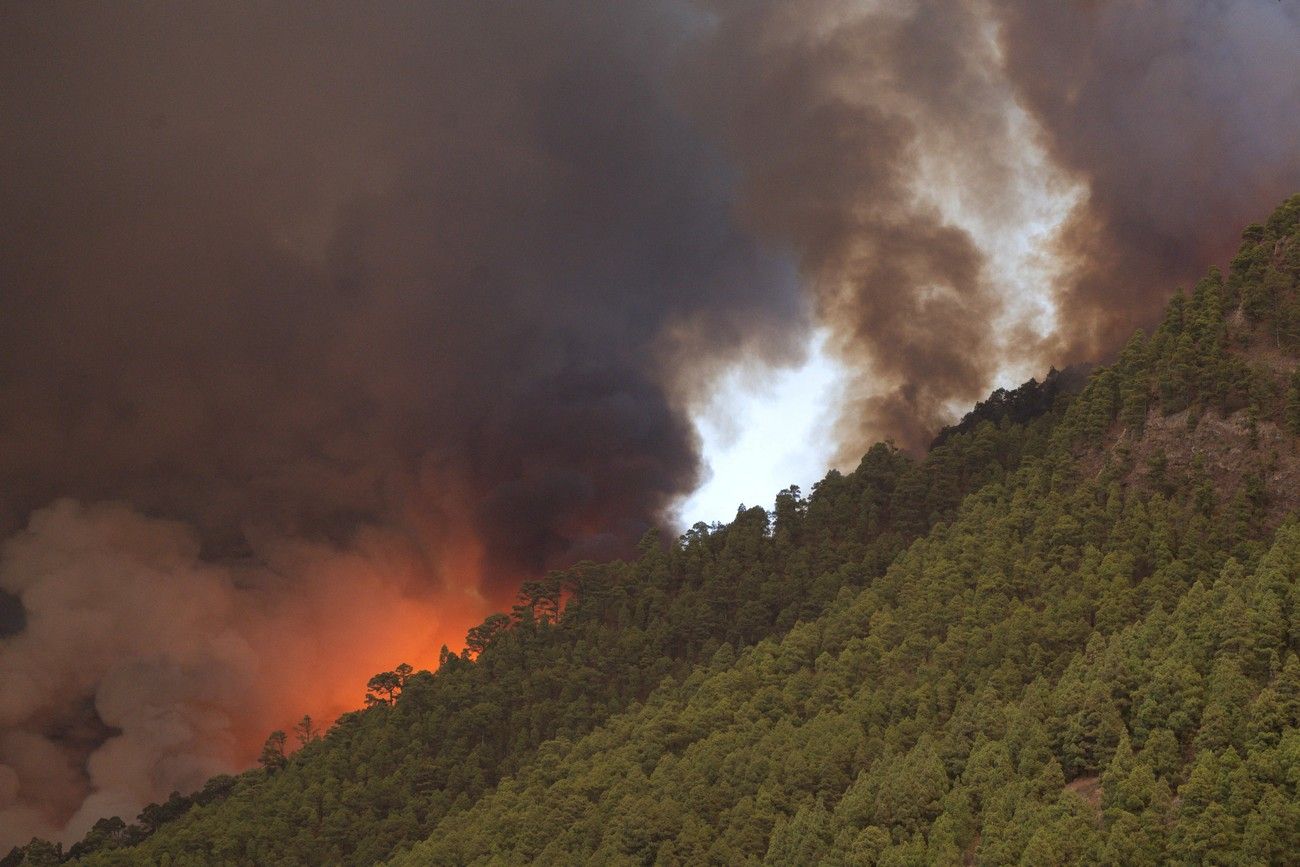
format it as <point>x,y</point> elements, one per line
<point>885,145</point>
<point>1178,120</point>
<point>763,430</point>
<point>322,332</point>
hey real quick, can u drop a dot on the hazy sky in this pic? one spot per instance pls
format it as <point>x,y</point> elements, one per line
<point>324,326</point>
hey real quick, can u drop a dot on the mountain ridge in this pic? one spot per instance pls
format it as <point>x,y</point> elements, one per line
<point>914,664</point>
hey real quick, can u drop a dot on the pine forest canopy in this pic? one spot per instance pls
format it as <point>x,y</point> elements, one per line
<point>1068,635</point>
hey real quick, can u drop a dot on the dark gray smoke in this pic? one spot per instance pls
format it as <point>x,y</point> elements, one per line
<point>1180,117</point>
<point>1175,122</point>
<point>442,275</point>
<point>338,320</point>
<point>273,271</point>
<point>831,109</point>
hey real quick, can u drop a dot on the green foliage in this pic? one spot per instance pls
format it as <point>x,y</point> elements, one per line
<point>429,745</point>
<point>1190,363</point>
<point>1029,648</point>
<point>914,722</point>
<point>1293,404</point>
<point>272,757</point>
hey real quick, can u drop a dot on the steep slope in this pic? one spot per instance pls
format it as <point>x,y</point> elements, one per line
<point>1094,663</point>
<point>385,776</point>
<point>953,709</point>
<point>948,706</point>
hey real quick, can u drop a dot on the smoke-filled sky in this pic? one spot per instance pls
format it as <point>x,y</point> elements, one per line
<point>323,325</point>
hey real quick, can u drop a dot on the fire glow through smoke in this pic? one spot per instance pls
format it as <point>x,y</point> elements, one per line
<point>183,665</point>
<point>322,332</point>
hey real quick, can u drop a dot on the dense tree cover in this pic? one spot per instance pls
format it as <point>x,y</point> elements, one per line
<point>1023,649</point>
<point>946,710</point>
<point>1229,346</point>
<point>1078,669</point>
<point>432,744</point>
<point>1020,404</point>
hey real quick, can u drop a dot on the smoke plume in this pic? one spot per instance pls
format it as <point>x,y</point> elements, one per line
<point>906,152</point>
<point>1179,118</point>
<point>324,327</point>
<point>300,288</point>
<point>144,669</point>
<point>835,111</point>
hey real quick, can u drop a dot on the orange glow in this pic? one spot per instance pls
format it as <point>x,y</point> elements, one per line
<point>360,614</point>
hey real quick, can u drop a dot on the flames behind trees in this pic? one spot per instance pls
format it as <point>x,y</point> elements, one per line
<point>322,333</point>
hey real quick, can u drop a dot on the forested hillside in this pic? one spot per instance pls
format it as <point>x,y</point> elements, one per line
<point>385,776</point>
<point>1068,635</point>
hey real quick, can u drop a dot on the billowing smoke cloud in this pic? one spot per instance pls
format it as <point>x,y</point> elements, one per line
<point>143,668</point>
<point>854,124</point>
<point>323,327</point>
<point>288,272</point>
<point>1180,117</point>
<point>290,284</point>
<point>906,151</point>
